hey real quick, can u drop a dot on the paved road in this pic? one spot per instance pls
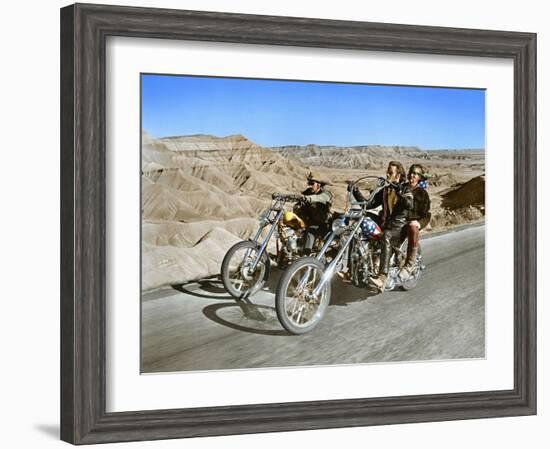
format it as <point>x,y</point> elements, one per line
<point>198,326</point>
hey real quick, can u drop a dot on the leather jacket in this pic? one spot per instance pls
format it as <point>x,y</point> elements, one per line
<point>316,211</point>
<point>399,215</point>
<point>421,207</point>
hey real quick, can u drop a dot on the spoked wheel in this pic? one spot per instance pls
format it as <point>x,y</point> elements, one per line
<point>239,277</point>
<point>361,270</point>
<point>299,309</point>
<point>412,280</point>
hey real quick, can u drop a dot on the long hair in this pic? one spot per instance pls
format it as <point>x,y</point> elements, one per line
<point>400,170</point>
<point>419,168</point>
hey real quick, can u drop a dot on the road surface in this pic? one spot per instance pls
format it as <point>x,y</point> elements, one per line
<point>198,326</point>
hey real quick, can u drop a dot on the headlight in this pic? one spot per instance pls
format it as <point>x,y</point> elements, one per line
<point>339,226</point>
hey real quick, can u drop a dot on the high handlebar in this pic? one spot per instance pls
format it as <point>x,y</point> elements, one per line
<point>285,197</point>
<point>381,183</point>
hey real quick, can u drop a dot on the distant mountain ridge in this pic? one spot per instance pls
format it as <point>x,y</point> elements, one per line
<point>364,156</point>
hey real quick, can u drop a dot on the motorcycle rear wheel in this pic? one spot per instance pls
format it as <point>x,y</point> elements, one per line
<point>298,310</point>
<point>239,281</point>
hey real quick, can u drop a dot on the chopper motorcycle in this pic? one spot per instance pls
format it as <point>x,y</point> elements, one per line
<point>246,265</point>
<point>352,250</point>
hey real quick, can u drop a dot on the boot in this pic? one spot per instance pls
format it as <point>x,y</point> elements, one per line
<point>344,275</point>
<point>385,255</point>
<point>379,282</point>
<point>410,262</point>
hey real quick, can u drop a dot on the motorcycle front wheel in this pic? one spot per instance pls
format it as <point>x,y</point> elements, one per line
<point>238,277</point>
<point>298,309</point>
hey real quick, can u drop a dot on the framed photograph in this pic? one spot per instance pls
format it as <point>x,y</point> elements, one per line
<point>273,224</point>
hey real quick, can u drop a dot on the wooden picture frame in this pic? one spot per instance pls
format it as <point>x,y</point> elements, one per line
<point>84,29</point>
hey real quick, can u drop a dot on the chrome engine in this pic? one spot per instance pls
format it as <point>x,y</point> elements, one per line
<point>289,239</point>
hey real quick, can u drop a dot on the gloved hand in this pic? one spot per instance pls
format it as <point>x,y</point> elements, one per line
<point>294,197</point>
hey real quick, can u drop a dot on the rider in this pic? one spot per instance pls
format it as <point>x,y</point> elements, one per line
<point>314,209</point>
<point>396,200</point>
<point>419,216</point>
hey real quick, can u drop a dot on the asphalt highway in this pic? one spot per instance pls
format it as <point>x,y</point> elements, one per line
<point>198,326</point>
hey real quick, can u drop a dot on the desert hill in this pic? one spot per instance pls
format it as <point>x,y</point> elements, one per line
<point>202,193</point>
<point>376,157</point>
<point>356,157</point>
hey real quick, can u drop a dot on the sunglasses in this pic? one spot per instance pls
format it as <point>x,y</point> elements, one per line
<point>310,183</point>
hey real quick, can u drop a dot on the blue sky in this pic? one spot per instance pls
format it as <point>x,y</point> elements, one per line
<point>272,113</point>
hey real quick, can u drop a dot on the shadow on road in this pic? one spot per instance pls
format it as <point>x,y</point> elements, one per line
<point>209,288</point>
<point>212,287</point>
<point>344,293</point>
<point>253,325</point>
<point>259,318</point>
